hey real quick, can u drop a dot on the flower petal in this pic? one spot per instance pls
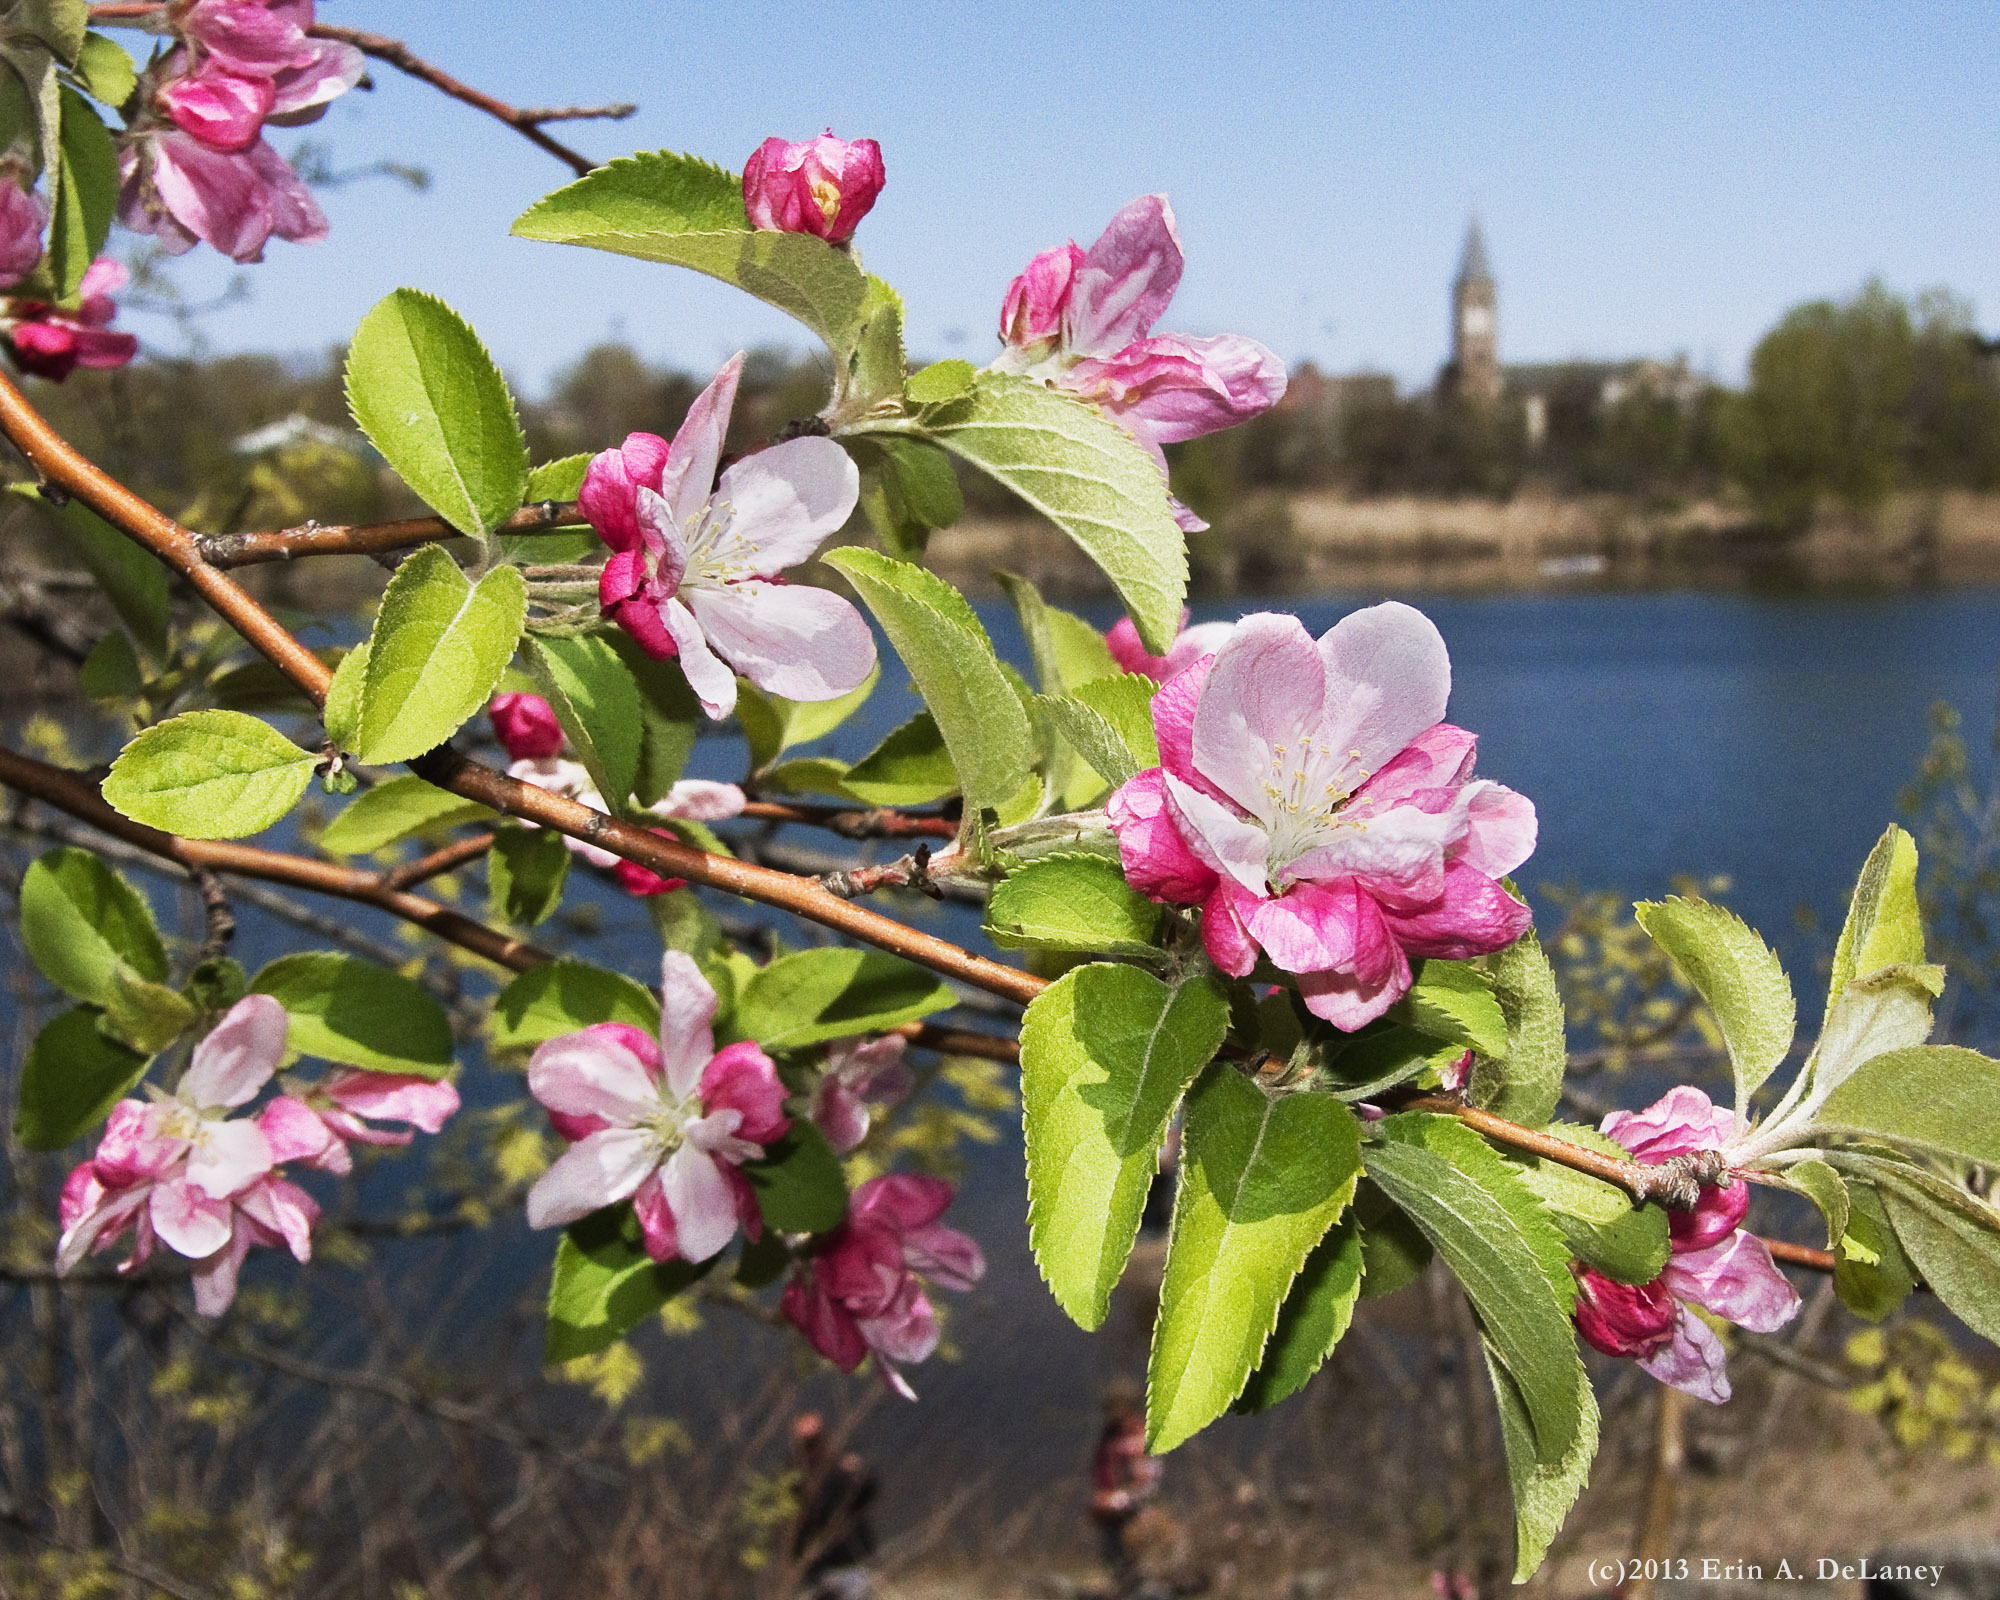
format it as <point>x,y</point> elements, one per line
<point>394,1096</point>
<point>951,1259</point>
<point>901,1200</point>
<point>1174,387</point>
<point>215,1277</point>
<point>1264,693</point>
<point>687,1013</point>
<point>228,1157</point>
<point>597,1172</point>
<point>1156,859</point>
<point>1219,838</point>
<point>713,683</point>
<point>1388,678</point>
<point>1125,279</point>
<point>789,639</point>
<point>702,1201</point>
<point>1682,1120</point>
<point>189,1221</point>
<point>687,477</point>
<point>239,1055</point>
<point>701,800</point>
<point>1225,933</point>
<point>1501,829</point>
<point>293,1131</point>
<point>1472,916</point>
<point>600,1072</point>
<point>829,1327</point>
<point>783,504</point>
<point>1736,1279</point>
<point>1692,1361</point>
<point>284,1208</point>
<point>742,1078</point>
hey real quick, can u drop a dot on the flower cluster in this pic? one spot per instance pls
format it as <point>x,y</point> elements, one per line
<point>181,1171</point>
<point>1313,803</point>
<point>1715,1264</point>
<point>695,563</point>
<point>664,1124</point>
<point>822,186</point>
<point>862,1292</point>
<point>859,1075</point>
<point>47,339</point>
<point>195,164</point>
<point>1082,320</point>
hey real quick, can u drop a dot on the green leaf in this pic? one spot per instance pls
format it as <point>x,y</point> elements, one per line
<point>525,872</point>
<point>86,195</point>
<point>939,382</point>
<point>1262,1179</point>
<point>559,480</point>
<point>1872,1275</point>
<point>59,24</point>
<point>1525,1087</point>
<point>1942,1100</point>
<point>1109,722</point>
<point>798,1182</point>
<point>1085,474</point>
<point>1500,1245</point>
<point>81,921</point>
<point>815,995</point>
<point>565,997</point>
<point>1315,1314</point>
<point>209,775</point>
<point>34,109</point>
<point>1820,1184</point>
<point>439,646</point>
<point>1878,1013</point>
<point>686,212</point>
<point>1954,1244</point>
<point>584,680</point>
<point>106,70</point>
<point>111,671</point>
<point>1073,902</point>
<point>132,579</point>
<point>1737,975</point>
<point>1598,1219</point>
<point>429,397</point>
<point>1394,1250</point>
<point>985,727</point>
<point>908,490</point>
<point>821,775</point>
<point>910,767</point>
<point>604,1284</point>
<point>72,1078</point>
<point>147,1016</point>
<point>1361,1066</point>
<point>670,718</point>
<point>1106,1052</point>
<point>379,817</point>
<point>341,715</point>
<point>1884,927</point>
<point>1544,1489</point>
<point>351,1011</point>
<point>773,724</point>
<point>876,362</point>
<point>1453,1001</point>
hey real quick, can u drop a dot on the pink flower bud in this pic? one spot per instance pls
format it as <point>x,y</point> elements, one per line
<point>526,726</point>
<point>23,214</point>
<point>224,111</point>
<point>823,187</point>
<point>1032,312</point>
<point>1623,1319</point>
<point>637,880</point>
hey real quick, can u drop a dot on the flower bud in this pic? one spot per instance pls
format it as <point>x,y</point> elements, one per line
<point>526,726</point>
<point>23,214</point>
<point>1623,1319</point>
<point>1032,312</point>
<point>1716,1215</point>
<point>823,186</point>
<point>637,880</point>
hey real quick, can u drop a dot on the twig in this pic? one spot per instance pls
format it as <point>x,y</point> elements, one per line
<point>881,822</point>
<point>437,863</point>
<point>215,908</point>
<point>369,538</point>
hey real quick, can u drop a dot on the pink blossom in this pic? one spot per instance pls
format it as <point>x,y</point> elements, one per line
<point>177,189</point>
<point>1312,802</point>
<point>690,800</point>
<point>52,342</point>
<point>526,726</point>
<point>1714,1263</point>
<point>224,111</point>
<point>266,41</point>
<point>822,186</point>
<point>862,1293</point>
<point>180,1170</point>
<point>694,561</point>
<point>663,1124</point>
<point>642,881</point>
<point>858,1073</point>
<point>1188,647</point>
<point>317,1125</point>
<point>23,216</point>
<point>1082,319</point>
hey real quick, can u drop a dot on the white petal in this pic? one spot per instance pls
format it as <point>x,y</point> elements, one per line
<point>188,1220</point>
<point>702,1200</point>
<point>1223,841</point>
<point>689,473</point>
<point>228,1157</point>
<point>701,800</point>
<point>714,684</point>
<point>1262,695</point>
<point>590,1075</point>
<point>1388,678</point>
<point>788,639</point>
<point>239,1055</point>
<point>687,1010</point>
<point>594,1172</point>
<point>785,502</point>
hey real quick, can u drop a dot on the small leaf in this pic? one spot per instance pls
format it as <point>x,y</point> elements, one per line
<point>798,1182</point>
<point>1085,474</point>
<point>875,361</point>
<point>111,671</point>
<point>815,995</point>
<point>910,767</point>
<point>147,1016</point>
<point>85,196</point>
<point>584,680</point>
<point>525,872</point>
<point>1954,1246</point>
<point>209,775</point>
<point>429,397</point>
<point>1820,1184</point>
<point>951,659</point>
<point>1106,1052</point>
<point>351,1011</point>
<point>1940,1099</point>
<point>1394,1250</point>
<point>1262,1180</point>
<point>1737,975</point>
<point>773,724</point>
<point>604,1284</point>
<point>439,646</point>
<point>1872,1276</point>
<point>1453,1001</point>
<point>908,490</point>
<point>106,70</point>
<point>1524,1087</point>
<point>1109,722</point>
<point>393,811</point>
<point>341,715</point>
<point>565,997</point>
<point>72,1078</point>
<point>559,480</point>
<point>1544,1490</point>
<point>1073,902</point>
<point>1884,927</point>
<point>81,921</point>
<point>1316,1313</point>
<point>940,382</point>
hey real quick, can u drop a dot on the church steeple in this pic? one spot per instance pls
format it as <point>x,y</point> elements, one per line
<point>1474,373</point>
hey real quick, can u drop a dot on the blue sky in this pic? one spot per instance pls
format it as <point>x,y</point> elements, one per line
<point>1657,178</point>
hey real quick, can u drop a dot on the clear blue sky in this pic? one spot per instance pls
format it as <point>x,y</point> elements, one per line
<point>1653,178</point>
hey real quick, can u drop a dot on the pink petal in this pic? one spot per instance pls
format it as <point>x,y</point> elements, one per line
<point>1472,916</point>
<point>1173,712</point>
<point>1692,1360</point>
<point>1156,859</point>
<point>624,595</point>
<point>1398,853</point>
<point>295,214</point>
<point>840,1114</point>
<point>742,1078</point>
<point>688,474</point>
<point>1266,690</point>
<point>1309,928</point>
<point>1216,836</point>
<point>656,1222</point>
<point>902,1200</point>
<point>222,200</point>
<point>214,1279</point>
<point>1438,758</point>
<point>687,1013</point>
<point>701,800</point>
<point>1173,387</point>
<point>1125,279</point>
<point>102,277</point>
<point>785,502</point>
<point>600,1072</point>
<point>1351,1000</point>
<point>228,1157</point>
<point>1502,829</point>
<point>23,215</point>
<point>189,1221</point>
<point>714,685</point>
<point>293,1131</point>
<point>609,496</point>
<point>702,1201</point>
<point>284,1208</point>
<point>132,1149</point>
<point>239,1055</point>
<point>1716,1215</point>
<point>224,111</point>
<point>1225,933</point>
<point>827,1325</point>
<point>908,1330</point>
<point>665,543</point>
<point>1192,645</point>
<point>791,640</point>
<point>98,351</point>
<point>1623,1319</point>
<point>330,68</point>
<point>93,1216</point>
<point>1388,677</point>
<point>395,1096</point>
<point>947,1257</point>
<point>1735,1279</point>
<point>245,37</point>
<point>526,726</point>
<point>1682,1120</point>
<point>591,1174</point>
<point>1031,312</point>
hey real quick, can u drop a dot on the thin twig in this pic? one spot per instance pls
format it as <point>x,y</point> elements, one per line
<point>215,909</point>
<point>370,538</point>
<point>437,863</point>
<point>880,822</point>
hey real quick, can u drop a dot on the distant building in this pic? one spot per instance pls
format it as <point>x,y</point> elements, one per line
<point>1473,373</point>
<point>1325,397</point>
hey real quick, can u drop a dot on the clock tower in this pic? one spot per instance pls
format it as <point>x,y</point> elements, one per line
<point>1474,373</point>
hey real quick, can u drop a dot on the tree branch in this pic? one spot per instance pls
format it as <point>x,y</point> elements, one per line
<point>879,822</point>
<point>370,538</point>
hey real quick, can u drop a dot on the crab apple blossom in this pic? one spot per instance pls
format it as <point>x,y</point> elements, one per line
<point>1714,1263</point>
<point>859,1073</point>
<point>23,216</point>
<point>695,562</point>
<point>526,726</point>
<point>822,186</point>
<point>1312,802</point>
<point>52,342</point>
<point>1189,646</point>
<point>1082,320</point>
<point>182,192</point>
<point>862,1292</point>
<point>664,1124</point>
<point>181,1171</point>
<point>316,1125</point>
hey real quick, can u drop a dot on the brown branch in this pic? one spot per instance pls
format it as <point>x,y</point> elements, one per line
<point>438,862</point>
<point>369,538</point>
<point>1801,1255</point>
<point>881,822</point>
<point>215,911</point>
<point>960,1041</point>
